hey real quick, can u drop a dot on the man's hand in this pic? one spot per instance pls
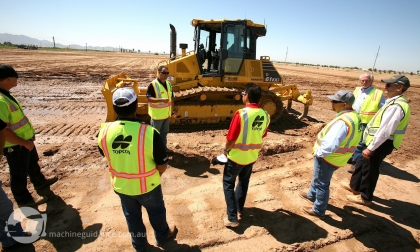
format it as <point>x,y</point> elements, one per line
<point>366,153</point>
<point>161,168</point>
<point>29,145</point>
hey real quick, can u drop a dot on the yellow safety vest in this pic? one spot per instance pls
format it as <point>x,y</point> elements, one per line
<point>254,123</point>
<point>160,110</point>
<point>370,105</point>
<point>349,145</point>
<point>17,121</point>
<point>128,147</point>
<point>399,132</point>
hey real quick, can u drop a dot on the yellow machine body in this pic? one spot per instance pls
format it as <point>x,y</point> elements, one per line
<point>207,82</point>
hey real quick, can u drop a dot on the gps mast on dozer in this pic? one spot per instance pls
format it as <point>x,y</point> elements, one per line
<point>208,81</point>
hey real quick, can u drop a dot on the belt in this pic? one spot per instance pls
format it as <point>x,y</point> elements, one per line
<point>14,147</point>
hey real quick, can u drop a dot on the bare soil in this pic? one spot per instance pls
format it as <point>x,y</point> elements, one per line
<point>60,93</point>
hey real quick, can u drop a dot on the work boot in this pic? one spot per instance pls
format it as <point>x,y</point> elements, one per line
<point>358,199</point>
<point>304,195</point>
<point>346,186</point>
<point>47,182</point>
<point>171,234</point>
<point>231,224</point>
<point>308,210</point>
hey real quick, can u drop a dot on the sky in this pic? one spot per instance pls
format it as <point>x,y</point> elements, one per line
<point>327,32</point>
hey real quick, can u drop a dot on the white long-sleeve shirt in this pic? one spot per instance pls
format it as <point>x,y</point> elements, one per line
<point>362,96</point>
<point>332,140</point>
<point>390,120</point>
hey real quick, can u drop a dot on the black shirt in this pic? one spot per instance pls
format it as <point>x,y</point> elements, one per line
<point>151,90</point>
<point>2,125</point>
<point>159,149</point>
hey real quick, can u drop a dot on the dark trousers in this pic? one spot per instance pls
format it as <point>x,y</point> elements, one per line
<point>22,163</point>
<point>235,199</point>
<point>155,207</point>
<point>366,172</point>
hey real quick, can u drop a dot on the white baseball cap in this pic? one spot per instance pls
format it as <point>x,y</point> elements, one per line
<point>123,97</point>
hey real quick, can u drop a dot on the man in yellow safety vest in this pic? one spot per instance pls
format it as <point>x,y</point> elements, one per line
<point>383,133</point>
<point>161,104</point>
<point>243,143</point>
<point>137,158</point>
<point>19,149</point>
<point>368,101</point>
<point>335,144</point>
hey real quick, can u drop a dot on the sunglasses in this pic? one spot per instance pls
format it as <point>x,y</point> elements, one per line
<point>243,93</point>
<point>389,84</point>
<point>337,101</point>
<point>166,73</point>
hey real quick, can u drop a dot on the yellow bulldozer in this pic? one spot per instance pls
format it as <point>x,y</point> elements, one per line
<point>207,82</point>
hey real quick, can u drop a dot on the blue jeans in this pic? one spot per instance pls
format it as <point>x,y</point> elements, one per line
<point>5,210</point>
<point>162,126</point>
<point>235,199</point>
<point>22,163</point>
<point>360,147</point>
<point>319,191</point>
<point>155,207</point>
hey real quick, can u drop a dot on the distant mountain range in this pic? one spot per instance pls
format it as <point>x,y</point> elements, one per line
<point>25,40</point>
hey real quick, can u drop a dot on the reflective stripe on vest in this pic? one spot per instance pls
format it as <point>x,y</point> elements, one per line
<point>244,152</point>
<point>374,124</point>
<point>21,123</point>
<point>370,104</point>
<point>161,110</point>
<point>141,174</point>
<point>349,145</point>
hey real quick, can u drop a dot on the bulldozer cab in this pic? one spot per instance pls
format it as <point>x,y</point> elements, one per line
<point>222,46</point>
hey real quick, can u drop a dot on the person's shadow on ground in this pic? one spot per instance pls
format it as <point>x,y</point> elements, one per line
<point>405,213</point>
<point>194,166</point>
<point>64,225</point>
<point>285,226</point>
<point>373,231</point>
<point>392,171</point>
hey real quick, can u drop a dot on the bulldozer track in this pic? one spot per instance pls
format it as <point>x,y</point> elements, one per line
<point>195,92</point>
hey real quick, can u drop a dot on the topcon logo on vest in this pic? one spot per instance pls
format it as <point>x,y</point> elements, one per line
<point>123,143</point>
<point>258,121</point>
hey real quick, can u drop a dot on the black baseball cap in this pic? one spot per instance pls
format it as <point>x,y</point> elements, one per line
<point>7,71</point>
<point>400,79</point>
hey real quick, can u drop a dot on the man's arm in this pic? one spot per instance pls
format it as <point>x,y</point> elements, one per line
<point>159,153</point>
<point>2,136</point>
<point>13,138</point>
<point>151,96</point>
<point>233,132</point>
<point>390,120</point>
<point>332,139</point>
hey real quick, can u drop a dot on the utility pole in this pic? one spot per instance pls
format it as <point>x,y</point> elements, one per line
<point>375,59</point>
<point>287,49</point>
<point>54,42</point>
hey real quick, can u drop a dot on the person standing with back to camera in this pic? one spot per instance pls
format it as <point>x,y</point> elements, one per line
<point>161,104</point>
<point>137,159</point>
<point>243,144</point>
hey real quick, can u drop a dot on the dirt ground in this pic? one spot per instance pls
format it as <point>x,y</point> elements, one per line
<point>60,93</point>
